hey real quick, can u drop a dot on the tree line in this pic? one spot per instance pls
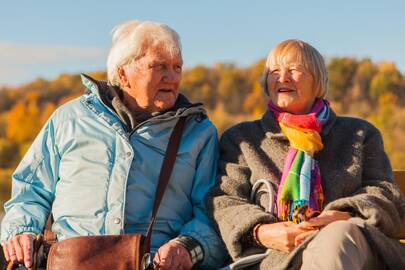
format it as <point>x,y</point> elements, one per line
<point>357,87</point>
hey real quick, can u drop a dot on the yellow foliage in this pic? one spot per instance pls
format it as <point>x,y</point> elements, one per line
<point>231,94</point>
<point>5,185</point>
<point>23,121</point>
<point>386,119</point>
<point>255,102</point>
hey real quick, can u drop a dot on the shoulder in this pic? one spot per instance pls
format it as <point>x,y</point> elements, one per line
<point>200,132</point>
<point>243,130</point>
<point>237,137</point>
<point>71,110</point>
<point>201,126</point>
<point>356,126</point>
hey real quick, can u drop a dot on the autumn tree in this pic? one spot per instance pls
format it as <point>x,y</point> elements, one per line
<point>341,72</point>
<point>23,120</point>
<point>232,88</point>
<point>8,150</point>
<point>389,120</point>
<point>256,101</point>
<point>199,84</point>
<point>386,80</point>
<point>362,78</point>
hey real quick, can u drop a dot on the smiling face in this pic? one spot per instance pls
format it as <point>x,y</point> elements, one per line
<point>291,87</point>
<point>152,82</point>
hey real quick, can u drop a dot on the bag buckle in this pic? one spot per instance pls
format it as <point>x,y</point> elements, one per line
<point>146,263</point>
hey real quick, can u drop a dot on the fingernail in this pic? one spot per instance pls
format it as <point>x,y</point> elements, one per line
<point>27,264</point>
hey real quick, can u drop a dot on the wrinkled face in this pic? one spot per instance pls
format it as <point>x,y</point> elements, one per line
<point>291,87</point>
<point>152,82</point>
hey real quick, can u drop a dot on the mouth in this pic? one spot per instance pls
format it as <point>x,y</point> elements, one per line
<point>285,90</point>
<point>166,90</point>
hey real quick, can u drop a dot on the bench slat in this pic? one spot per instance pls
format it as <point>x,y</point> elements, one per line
<point>400,180</point>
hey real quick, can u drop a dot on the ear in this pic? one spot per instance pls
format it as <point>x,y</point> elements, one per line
<point>122,76</point>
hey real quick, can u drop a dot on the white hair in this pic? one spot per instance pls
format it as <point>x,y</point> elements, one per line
<point>131,40</point>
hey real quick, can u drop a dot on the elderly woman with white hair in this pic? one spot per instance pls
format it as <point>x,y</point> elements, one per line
<point>302,187</point>
<point>95,164</point>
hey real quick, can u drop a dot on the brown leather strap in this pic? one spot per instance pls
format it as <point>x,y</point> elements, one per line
<point>164,177</point>
<point>49,235</point>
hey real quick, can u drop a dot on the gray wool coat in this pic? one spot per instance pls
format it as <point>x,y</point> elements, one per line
<point>356,177</point>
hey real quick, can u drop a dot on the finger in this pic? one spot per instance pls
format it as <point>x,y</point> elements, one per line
<point>27,243</point>
<point>165,263</point>
<point>156,260</point>
<point>314,222</point>
<point>305,225</point>
<point>11,252</point>
<point>5,251</point>
<point>163,260</point>
<point>301,237</point>
<point>18,249</point>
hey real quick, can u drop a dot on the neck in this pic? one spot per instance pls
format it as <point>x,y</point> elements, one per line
<point>131,103</point>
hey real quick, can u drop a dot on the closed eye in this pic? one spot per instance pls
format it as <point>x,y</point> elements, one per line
<point>157,66</point>
<point>274,71</point>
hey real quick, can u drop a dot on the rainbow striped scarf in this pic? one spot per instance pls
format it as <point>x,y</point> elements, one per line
<point>301,179</point>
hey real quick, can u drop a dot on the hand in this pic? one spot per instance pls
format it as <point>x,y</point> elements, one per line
<point>280,235</point>
<point>172,256</point>
<point>19,249</point>
<point>325,218</point>
<point>302,236</point>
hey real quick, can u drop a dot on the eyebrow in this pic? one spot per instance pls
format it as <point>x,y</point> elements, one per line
<point>161,61</point>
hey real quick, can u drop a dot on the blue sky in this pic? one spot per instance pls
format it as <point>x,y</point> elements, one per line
<point>43,38</point>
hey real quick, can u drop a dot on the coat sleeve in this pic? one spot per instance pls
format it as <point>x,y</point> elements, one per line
<point>33,187</point>
<point>379,201</point>
<point>229,203</point>
<point>200,227</point>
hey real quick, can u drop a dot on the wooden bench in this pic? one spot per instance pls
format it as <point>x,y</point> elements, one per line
<point>400,180</point>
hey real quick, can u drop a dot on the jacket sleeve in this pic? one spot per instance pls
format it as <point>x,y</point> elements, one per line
<point>379,201</point>
<point>33,187</point>
<point>229,203</point>
<point>200,228</point>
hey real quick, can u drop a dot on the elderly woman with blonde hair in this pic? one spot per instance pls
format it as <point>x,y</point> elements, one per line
<point>95,164</point>
<point>303,187</point>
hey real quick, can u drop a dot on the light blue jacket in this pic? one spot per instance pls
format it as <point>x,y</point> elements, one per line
<point>99,179</point>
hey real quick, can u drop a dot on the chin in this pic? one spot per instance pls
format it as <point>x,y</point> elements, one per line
<point>162,106</point>
<point>283,106</point>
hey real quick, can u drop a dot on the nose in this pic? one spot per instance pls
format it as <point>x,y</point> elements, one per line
<point>171,76</point>
<point>284,76</point>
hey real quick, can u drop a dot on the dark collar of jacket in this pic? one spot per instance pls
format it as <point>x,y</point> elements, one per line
<point>272,129</point>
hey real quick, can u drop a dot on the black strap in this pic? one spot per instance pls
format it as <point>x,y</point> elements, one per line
<point>164,177</point>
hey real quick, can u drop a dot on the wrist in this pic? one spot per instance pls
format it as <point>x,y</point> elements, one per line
<point>193,247</point>
<point>255,235</point>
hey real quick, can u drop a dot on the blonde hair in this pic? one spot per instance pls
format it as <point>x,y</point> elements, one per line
<point>299,52</point>
<point>131,40</point>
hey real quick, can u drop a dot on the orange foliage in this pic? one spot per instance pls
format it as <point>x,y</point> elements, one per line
<point>23,120</point>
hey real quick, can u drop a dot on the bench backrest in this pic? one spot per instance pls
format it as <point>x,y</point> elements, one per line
<point>400,180</point>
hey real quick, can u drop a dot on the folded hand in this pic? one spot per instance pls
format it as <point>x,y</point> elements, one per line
<point>325,218</point>
<point>172,256</point>
<point>19,249</point>
<point>280,235</point>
